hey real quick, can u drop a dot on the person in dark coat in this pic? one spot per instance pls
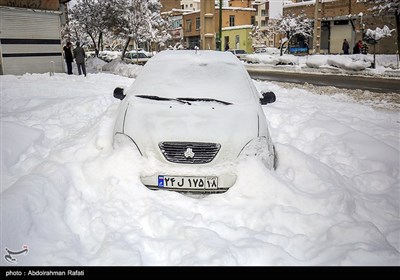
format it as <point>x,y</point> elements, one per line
<point>80,56</point>
<point>68,57</point>
<point>345,47</point>
<point>358,47</point>
<point>364,49</point>
<point>227,46</point>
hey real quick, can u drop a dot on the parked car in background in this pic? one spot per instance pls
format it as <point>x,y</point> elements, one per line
<point>194,115</point>
<point>267,50</point>
<point>136,57</point>
<point>241,54</point>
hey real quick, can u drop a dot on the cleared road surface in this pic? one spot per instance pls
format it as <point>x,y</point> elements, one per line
<point>339,81</point>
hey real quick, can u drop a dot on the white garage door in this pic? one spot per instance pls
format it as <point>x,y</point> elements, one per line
<point>338,33</point>
<point>30,41</point>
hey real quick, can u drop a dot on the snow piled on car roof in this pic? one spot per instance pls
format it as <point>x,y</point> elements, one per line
<point>195,74</point>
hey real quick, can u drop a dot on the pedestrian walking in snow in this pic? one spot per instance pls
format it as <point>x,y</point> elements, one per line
<point>345,47</point>
<point>80,56</point>
<point>227,46</point>
<point>68,57</point>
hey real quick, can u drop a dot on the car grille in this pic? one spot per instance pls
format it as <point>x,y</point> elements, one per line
<point>189,152</point>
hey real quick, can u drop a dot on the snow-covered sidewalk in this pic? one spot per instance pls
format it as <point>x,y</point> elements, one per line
<point>387,66</point>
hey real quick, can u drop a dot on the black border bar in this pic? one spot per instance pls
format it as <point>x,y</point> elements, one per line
<point>30,41</point>
<point>30,54</point>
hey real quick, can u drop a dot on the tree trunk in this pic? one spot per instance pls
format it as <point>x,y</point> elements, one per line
<point>125,48</point>
<point>99,42</point>
<point>96,50</point>
<point>137,51</point>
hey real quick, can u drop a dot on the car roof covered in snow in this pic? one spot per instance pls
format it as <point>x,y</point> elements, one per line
<point>195,74</point>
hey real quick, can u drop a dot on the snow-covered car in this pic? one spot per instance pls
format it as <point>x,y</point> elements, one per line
<point>196,114</point>
<point>136,58</point>
<point>241,54</point>
<point>267,50</point>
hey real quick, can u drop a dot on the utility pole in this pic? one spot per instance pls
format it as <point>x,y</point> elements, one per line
<point>317,26</point>
<point>219,43</point>
<point>207,23</point>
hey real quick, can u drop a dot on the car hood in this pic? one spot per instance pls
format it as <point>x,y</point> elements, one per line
<point>150,122</point>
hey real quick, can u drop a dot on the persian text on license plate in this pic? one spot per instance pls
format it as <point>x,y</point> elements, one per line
<point>198,183</point>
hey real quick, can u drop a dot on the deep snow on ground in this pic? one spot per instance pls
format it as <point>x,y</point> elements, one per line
<point>74,200</point>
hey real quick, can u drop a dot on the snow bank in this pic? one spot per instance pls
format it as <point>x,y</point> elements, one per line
<point>272,59</point>
<point>354,63</point>
<point>347,63</point>
<point>121,68</point>
<point>95,63</point>
<point>74,200</point>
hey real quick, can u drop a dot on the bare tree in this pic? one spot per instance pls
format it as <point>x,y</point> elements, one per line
<point>86,19</point>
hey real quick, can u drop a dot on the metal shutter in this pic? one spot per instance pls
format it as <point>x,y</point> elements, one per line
<point>30,41</point>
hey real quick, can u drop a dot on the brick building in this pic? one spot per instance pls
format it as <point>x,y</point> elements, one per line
<point>169,5</point>
<point>231,17</point>
<point>342,19</point>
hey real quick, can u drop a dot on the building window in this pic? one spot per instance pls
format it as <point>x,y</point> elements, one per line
<point>231,20</point>
<point>198,23</point>
<point>263,13</point>
<point>253,20</point>
<point>176,23</point>
<point>188,25</point>
<point>263,23</point>
<point>341,22</point>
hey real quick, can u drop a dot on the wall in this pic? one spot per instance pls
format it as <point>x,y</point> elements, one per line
<point>168,5</point>
<point>242,17</point>
<point>244,43</point>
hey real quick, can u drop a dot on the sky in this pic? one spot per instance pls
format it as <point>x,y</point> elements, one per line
<point>70,198</point>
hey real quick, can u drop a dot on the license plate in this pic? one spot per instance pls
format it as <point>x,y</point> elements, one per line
<point>195,183</point>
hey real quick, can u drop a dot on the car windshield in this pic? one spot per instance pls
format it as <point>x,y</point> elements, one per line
<point>204,76</point>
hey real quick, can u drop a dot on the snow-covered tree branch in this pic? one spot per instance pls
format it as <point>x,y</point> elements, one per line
<point>292,26</point>
<point>378,33</point>
<point>112,20</point>
<point>387,7</point>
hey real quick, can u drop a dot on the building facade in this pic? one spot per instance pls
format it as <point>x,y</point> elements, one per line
<point>169,5</point>
<point>336,20</point>
<point>231,17</point>
<point>30,36</point>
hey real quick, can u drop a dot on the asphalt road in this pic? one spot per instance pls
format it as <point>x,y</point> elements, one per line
<point>339,81</point>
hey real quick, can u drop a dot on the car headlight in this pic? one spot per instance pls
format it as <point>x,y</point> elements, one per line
<point>123,140</point>
<point>261,148</point>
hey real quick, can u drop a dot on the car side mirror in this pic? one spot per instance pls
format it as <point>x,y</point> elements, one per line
<point>267,98</point>
<point>119,93</point>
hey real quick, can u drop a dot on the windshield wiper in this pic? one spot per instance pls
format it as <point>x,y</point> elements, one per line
<point>205,100</point>
<point>155,97</point>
